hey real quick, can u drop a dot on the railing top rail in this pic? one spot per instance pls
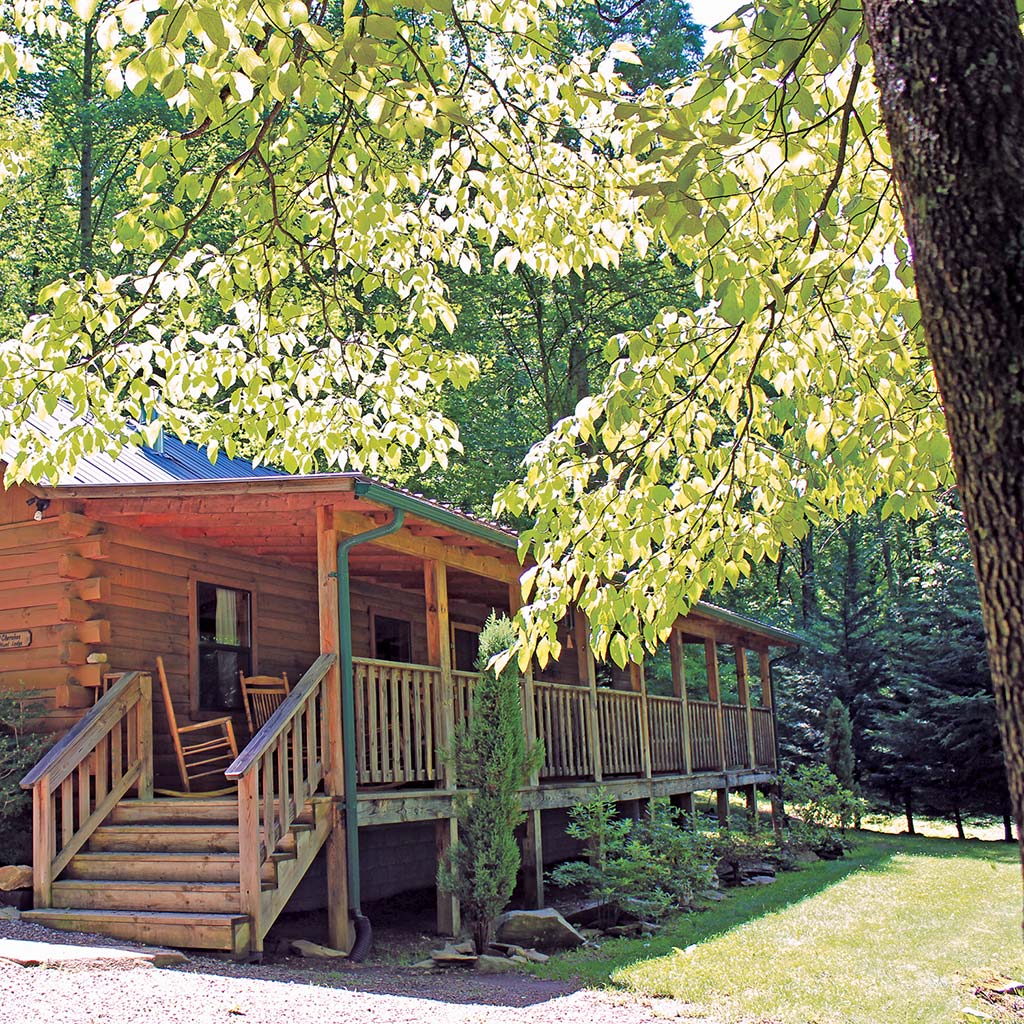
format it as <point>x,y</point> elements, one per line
<point>663,699</point>
<point>67,753</point>
<point>465,672</point>
<point>378,662</point>
<point>572,687</point>
<point>607,691</point>
<point>703,703</point>
<point>278,721</point>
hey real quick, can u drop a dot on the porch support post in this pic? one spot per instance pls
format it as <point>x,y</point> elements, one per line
<point>722,806</point>
<point>751,794</point>
<point>338,922</point>
<point>767,702</point>
<point>439,652</point>
<point>715,695</point>
<point>743,685</point>
<point>528,700</point>
<point>638,682</point>
<point>588,675</point>
<point>675,647</point>
<point>533,861</point>
<point>683,802</point>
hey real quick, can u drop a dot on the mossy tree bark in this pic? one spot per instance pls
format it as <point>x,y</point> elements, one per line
<point>951,78</point>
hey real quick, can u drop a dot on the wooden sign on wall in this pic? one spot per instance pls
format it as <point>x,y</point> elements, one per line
<point>15,639</point>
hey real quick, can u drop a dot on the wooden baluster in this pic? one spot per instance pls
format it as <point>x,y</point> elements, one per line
<point>281,748</point>
<point>419,767</point>
<point>298,781</point>
<point>429,749</point>
<point>408,695</point>
<point>67,811</point>
<point>101,761</point>
<point>372,727</point>
<point>270,836</point>
<point>117,752</point>
<point>312,760</point>
<point>84,791</point>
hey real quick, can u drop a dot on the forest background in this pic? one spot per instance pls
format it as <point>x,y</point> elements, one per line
<point>889,608</point>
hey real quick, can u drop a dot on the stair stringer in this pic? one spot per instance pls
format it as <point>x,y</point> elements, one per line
<point>308,843</point>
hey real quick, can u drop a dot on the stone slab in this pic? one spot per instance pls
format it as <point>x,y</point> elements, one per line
<point>33,954</point>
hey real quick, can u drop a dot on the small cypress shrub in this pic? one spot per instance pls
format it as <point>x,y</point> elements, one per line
<point>491,763</point>
<point>839,744</point>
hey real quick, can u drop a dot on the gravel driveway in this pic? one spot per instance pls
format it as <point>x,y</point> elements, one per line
<point>294,991</point>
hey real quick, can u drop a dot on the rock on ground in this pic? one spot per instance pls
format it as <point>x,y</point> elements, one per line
<point>541,929</point>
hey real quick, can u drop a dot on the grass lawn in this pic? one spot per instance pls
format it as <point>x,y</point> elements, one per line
<point>898,932</point>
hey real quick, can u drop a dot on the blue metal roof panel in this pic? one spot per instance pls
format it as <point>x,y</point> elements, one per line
<point>179,460</point>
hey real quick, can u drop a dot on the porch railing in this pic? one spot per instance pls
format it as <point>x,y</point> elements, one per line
<point>76,785</point>
<point>398,719</point>
<point>563,724</point>
<point>734,726</point>
<point>764,738</point>
<point>620,724</point>
<point>704,749</point>
<point>666,718</point>
<point>401,715</point>
<point>279,770</point>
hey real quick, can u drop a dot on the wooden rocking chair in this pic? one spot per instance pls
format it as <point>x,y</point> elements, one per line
<point>202,759</point>
<point>262,696</point>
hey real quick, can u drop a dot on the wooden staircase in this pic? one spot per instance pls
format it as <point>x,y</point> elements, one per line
<point>167,871</point>
<point>202,873</point>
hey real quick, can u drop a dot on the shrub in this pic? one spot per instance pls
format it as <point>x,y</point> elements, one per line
<point>491,763</point>
<point>649,867</point>
<point>19,751</point>
<point>825,808</point>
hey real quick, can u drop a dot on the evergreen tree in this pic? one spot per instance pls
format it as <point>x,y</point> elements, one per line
<point>838,748</point>
<point>491,763</point>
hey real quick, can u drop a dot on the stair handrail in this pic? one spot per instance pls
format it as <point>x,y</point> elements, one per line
<point>280,768</point>
<point>87,772</point>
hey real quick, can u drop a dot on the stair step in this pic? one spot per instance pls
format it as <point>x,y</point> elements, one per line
<point>175,810</point>
<point>195,931</point>
<point>149,896</point>
<point>163,836</point>
<point>156,866</point>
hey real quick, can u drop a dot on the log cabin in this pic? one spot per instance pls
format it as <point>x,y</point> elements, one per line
<point>372,599</point>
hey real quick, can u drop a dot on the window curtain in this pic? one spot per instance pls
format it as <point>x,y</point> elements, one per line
<point>227,617</point>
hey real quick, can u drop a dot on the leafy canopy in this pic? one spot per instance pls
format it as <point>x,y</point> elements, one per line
<point>799,389</point>
<point>287,248</point>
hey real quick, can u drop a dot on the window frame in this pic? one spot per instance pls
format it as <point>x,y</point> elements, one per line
<point>466,627</point>
<point>248,586</point>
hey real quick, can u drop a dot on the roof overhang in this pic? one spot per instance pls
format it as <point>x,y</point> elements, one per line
<point>356,490</point>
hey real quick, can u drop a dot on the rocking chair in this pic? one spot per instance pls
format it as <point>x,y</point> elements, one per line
<point>199,760</point>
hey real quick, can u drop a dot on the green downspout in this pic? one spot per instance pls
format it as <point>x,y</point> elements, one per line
<point>348,713</point>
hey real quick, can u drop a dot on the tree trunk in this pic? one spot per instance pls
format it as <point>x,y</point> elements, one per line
<point>908,810</point>
<point>958,820</point>
<point>86,168</point>
<point>808,583</point>
<point>951,78</point>
<point>1007,827</point>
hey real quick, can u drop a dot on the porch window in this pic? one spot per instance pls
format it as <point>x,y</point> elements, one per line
<point>224,618</point>
<point>465,646</point>
<point>392,638</point>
